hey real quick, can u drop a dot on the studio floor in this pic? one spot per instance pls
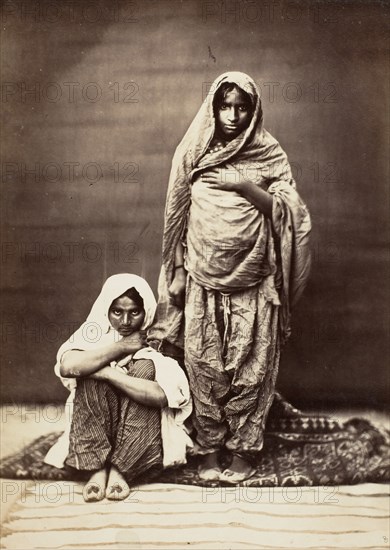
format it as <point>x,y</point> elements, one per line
<point>49,514</point>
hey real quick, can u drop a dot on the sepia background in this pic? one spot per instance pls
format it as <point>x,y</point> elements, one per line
<point>95,98</point>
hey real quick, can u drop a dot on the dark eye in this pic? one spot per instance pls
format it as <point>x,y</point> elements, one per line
<point>223,106</point>
<point>116,311</point>
<point>136,312</point>
<point>244,108</point>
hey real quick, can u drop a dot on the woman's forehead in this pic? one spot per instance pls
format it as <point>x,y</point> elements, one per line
<point>236,95</point>
<point>124,302</point>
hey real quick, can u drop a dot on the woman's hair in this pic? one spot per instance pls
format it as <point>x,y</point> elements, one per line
<point>134,295</point>
<point>224,90</point>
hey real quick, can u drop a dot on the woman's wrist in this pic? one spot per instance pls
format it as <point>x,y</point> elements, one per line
<point>244,186</point>
<point>104,373</point>
<point>260,198</point>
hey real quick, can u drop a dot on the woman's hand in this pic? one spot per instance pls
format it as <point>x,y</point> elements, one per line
<point>134,342</point>
<point>226,178</point>
<point>230,179</point>
<point>178,287</point>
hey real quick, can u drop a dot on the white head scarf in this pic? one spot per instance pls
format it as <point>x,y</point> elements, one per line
<point>114,287</point>
<point>97,330</point>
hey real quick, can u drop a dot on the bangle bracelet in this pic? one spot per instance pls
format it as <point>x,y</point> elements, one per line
<point>178,266</point>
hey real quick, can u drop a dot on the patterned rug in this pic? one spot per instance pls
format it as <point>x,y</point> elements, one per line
<point>299,449</point>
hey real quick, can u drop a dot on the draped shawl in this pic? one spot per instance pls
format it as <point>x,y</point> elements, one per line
<point>253,152</point>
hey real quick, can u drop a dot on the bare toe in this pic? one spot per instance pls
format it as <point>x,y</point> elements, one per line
<point>94,489</point>
<point>117,487</point>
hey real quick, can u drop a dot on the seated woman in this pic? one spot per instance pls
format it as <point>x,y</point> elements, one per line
<point>128,402</point>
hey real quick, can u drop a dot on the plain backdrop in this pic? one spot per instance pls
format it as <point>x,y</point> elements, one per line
<point>95,98</point>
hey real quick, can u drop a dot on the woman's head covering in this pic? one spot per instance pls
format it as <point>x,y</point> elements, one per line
<point>202,128</point>
<point>112,289</point>
<point>97,331</point>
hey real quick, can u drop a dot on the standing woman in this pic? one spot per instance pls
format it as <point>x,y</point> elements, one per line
<point>128,402</point>
<point>236,258</point>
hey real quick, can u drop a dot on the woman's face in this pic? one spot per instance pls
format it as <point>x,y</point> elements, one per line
<point>126,316</point>
<point>233,115</point>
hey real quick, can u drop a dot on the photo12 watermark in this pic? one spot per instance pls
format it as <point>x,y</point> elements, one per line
<point>271,494</point>
<point>49,492</point>
<point>288,92</point>
<point>52,12</point>
<point>69,252</point>
<point>69,172</point>
<point>261,173</point>
<point>71,92</point>
<point>51,332</point>
<point>257,12</point>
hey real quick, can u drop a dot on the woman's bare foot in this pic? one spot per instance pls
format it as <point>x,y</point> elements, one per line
<point>117,487</point>
<point>95,489</point>
<point>209,468</point>
<point>239,470</point>
<point>240,465</point>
